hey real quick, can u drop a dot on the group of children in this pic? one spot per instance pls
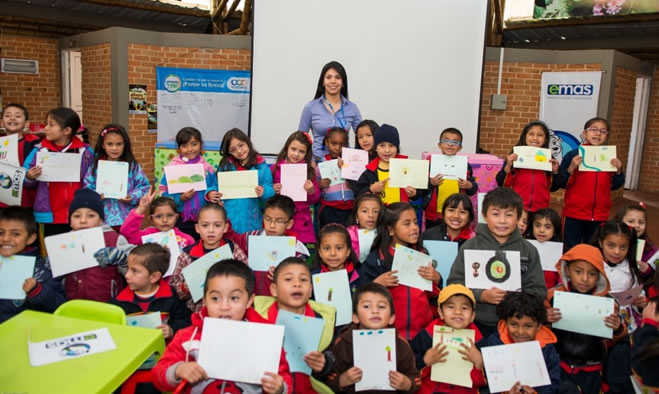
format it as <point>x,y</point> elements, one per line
<point>600,256</point>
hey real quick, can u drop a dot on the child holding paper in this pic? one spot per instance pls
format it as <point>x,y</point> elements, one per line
<point>189,147</point>
<point>18,231</point>
<point>375,178</point>
<point>147,292</point>
<point>364,137</point>
<point>457,216</point>
<point>337,200</point>
<point>450,143</point>
<point>15,121</point>
<point>582,356</point>
<point>114,145</point>
<point>291,291</point>
<point>228,294</point>
<point>372,309</point>
<point>211,225</point>
<point>502,208</point>
<point>399,226</point>
<point>162,212</point>
<point>521,319</point>
<point>587,193</point>
<point>297,150</point>
<point>546,227</point>
<point>238,154</point>
<point>52,199</point>
<point>334,252</point>
<point>366,216</point>
<point>636,216</point>
<point>534,186</point>
<point>104,282</point>
<point>456,310</point>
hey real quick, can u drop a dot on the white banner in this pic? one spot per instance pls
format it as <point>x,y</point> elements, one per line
<point>567,101</point>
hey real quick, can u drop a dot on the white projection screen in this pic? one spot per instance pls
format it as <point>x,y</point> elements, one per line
<point>415,64</point>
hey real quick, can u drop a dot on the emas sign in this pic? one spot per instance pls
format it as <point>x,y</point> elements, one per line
<point>570,90</point>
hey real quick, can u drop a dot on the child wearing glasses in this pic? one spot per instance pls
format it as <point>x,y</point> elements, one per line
<point>450,143</point>
<point>587,193</point>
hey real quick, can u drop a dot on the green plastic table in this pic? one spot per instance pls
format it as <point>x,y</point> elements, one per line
<point>96,373</point>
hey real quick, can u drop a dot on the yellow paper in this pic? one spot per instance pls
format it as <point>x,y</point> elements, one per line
<point>532,158</point>
<point>237,184</point>
<point>455,370</point>
<point>408,172</point>
<point>597,158</point>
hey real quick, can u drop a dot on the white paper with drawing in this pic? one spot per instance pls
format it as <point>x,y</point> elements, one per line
<point>366,238</point>
<point>550,252</point>
<point>195,273</point>
<point>450,167</point>
<point>407,262</point>
<point>265,251</point>
<point>13,272</point>
<point>9,150</point>
<point>333,288</point>
<point>147,320</point>
<point>168,240</point>
<point>227,346</point>
<point>487,268</point>
<point>301,336</point>
<point>597,158</point>
<point>237,184</point>
<point>640,245</point>
<point>521,362</point>
<point>330,170</point>
<point>454,370</point>
<point>184,177</point>
<point>532,157</point>
<point>583,313</point>
<point>374,352</point>
<point>354,163</point>
<point>72,346</point>
<point>11,184</point>
<point>627,297</point>
<point>59,167</point>
<point>293,177</point>
<point>112,179</point>
<point>408,172</point>
<point>74,251</point>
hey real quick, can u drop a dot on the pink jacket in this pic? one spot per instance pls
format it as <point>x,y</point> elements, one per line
<point>131,230</point>
<point>303,225</point>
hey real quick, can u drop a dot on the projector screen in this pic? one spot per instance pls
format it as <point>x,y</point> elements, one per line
<point>415,64</point>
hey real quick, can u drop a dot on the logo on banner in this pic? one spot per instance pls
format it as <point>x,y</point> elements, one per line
<point>172,83</point>
<point>238,84</point>
<point>570,90</point>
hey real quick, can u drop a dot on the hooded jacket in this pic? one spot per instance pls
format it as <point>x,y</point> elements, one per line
<point>534,186</point>
<point>343,360</point>
<point>268,309</point>
<point>533,280</point>
<point>370,176</point>
<point>582,350</point>
<point>185,347</point>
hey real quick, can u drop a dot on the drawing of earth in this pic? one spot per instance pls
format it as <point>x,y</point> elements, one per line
<point>5,180</point>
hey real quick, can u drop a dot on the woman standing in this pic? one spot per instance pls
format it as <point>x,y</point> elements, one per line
<point>329,108</point>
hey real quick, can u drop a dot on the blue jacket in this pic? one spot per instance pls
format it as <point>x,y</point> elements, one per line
<point>47,296</point>
<point>245,213</point>
<point>116,212</point>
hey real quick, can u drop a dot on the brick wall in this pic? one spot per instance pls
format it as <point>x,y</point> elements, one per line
<point>649,181</point>
<point>142,63</point>
<point>621,117</point>
<point>96,88</point>
<point>40,92</point>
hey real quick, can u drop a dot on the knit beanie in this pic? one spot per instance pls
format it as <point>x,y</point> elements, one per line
<point>87,198</point>
<point>387,133</point>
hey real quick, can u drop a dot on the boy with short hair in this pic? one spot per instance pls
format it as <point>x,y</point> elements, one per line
<point>502,208</point>
<point>522,318</point>
<point>18,230</point>
<point>456,310</point>
<point>372,309</point>
<point>228,294</point>
<point>450,143</point>
<point>291,291</point>
<point>148,292</point>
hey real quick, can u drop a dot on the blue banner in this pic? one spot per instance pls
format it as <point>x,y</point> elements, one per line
<point>195,80</point>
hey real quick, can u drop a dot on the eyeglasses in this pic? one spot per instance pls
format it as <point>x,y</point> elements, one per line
<point>597,130</point>
<point>278,222</point>
<point>451,142</point>
<point>161,216</point>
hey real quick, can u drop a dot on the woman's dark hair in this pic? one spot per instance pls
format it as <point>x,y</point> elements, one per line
<point>617,227</point>
<point>186,134</point>
<point>162,201</point>
<point>336,66</point>
<point>358,201</point>
<point>335,228</point>
<point>231,267</point>
<point>16,105</point>
<point>304,139</point>
<point>126,155</point>
<point>66,117</point>
<point>525,131</point>
<point>238,134</point>
<point>553,217</point>
<point>383,240</point>
<point>454,201</point>
<point>520,304</point>
<point>372,125</point>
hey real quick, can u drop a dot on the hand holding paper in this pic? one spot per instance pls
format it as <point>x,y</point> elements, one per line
<point>408,172</point>
<point>293,177</point>
<point>354,163</point>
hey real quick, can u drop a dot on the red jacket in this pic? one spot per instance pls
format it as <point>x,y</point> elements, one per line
<point>185,347</point>
<point>533,186</point>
